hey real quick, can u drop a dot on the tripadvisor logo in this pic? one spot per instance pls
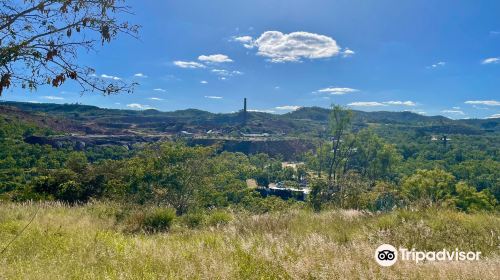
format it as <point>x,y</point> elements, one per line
<point>387,255</point>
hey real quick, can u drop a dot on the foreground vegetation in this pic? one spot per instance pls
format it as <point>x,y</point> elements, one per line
<point>95,241</point>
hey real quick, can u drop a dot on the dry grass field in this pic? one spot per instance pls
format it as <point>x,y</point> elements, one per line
<point>94,241</point>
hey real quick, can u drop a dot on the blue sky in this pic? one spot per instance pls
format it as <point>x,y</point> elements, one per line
<point>431,57</point>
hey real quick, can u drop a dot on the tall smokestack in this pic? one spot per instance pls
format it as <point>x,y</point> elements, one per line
<point>244,110</point>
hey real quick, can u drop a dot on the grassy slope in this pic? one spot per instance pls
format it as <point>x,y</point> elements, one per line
<point>87,242</point>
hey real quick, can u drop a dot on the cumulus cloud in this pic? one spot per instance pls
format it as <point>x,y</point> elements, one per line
<point>215,58</point>
<point>51,97</point>
<point>348,52</point>
<point>247,41</point>
<point>213,97</point>
<point>455,112</point>
<point>483,102</point>
<point>188,64</point>
<point>287,108</point>
<point>338,90</point>
<point>292,47</point>
<point>159,90</point>
<point>138,106</point>
<point>494,116</point>
<point>140,75</point>
<point>491,60</point>
<point>156,99</point>
<point>366,104</point>
<point>110,77</point>
<point>401,103</point>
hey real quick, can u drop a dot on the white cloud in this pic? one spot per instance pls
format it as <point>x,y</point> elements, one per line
<point>401,103</point>
<point>213,97</point>
<point>156,99</point>
<point>261,111</point>
<point>110,77</point>
<point>51,97</point>
<point>188,64</point>
<point>246,40</point>
<point>215,58</point>
<point>159,89</point>
<point>203,82</point>
<point>366,104</point>
<point>491,60</point>
<point>140,75</point>
<point>139,106</point>
<point>223,72</point>
<point>292,47</point>
<point>484,102</point>
<point>438,64</point>
<point>456,108</point>
<point>348,52</point>
<point>494,116</point>
<point>338,90</point>
<point>288,108</point>
<point>456,112</point>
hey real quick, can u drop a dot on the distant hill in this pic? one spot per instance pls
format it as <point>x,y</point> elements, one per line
<point>307,121</point>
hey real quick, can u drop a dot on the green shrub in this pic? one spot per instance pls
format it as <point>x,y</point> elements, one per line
<point>193,220</point>
<point>218,218</point>
<point>158,220</point>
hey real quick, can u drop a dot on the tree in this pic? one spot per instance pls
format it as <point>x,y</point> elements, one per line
<point>340,121</point>
<point>429,187</point>
<point>468,199</point>
<point>40,41</point>
<point>374,158</point>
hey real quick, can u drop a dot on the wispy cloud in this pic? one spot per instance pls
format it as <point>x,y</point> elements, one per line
<point>261,111</point>
<point>138,106</point>
<point>366,104</point>
<point>215,58</point>
<point>454,112</point>
<point>213,97</point>
<point>437,65</point>
<point>293,47</point>
<point>110,77</point>
<point>494,116</point>
<point>159,90</point>
<point>203,82</point>
<point>51,97</point>
<point>188,64</point>
<point>491,60</point>
<point>140,75</point>
<point>401,103</point>
<point>483,102</point>
<point>226,73</point>
<point>384,103</point>
<point>338,90</point>
<point>156,98</point>
<point>288,108</point>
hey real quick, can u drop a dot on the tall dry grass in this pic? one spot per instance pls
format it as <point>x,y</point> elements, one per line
<point>92,242</point>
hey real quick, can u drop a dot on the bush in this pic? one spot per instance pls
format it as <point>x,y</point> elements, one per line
<point>218,218</point>
<point>158,220</point>
<point>193,220</point>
